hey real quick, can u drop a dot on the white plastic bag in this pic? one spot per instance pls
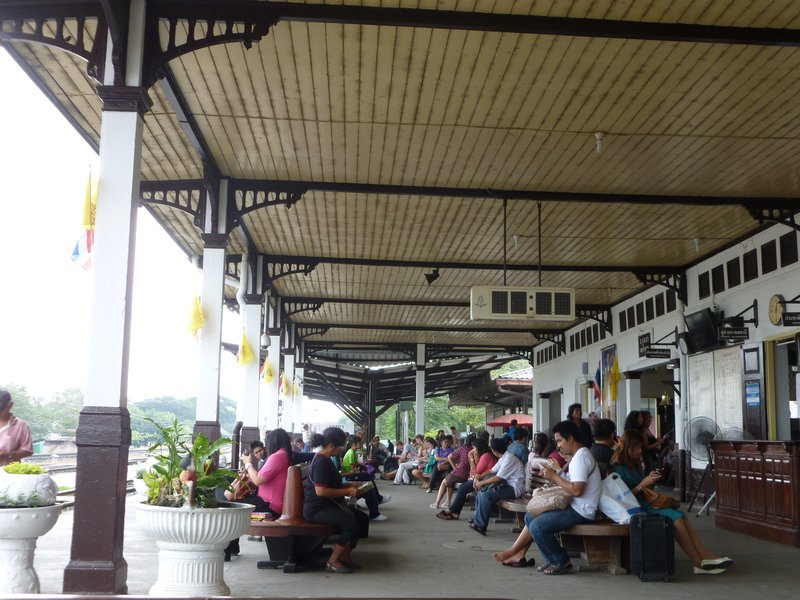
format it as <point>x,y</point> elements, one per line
<point>617,502</point>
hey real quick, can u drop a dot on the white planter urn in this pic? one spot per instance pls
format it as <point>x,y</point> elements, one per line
<point>190,544</point>
<point>18,490</point>
<point>19,528</point>
<point>140,486</point>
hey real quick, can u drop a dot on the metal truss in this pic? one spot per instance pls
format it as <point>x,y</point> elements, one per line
<point>771,214</point>
<point>255,195</point>
<point>304,331</point>
<point>186,195</point>
<point>559,339</point>
<point>49,24</point>
<point>292,308</point>
<point>599,313</point>
<point>675,281</point>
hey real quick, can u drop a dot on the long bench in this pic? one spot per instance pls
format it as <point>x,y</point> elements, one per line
<point>602,544</point>
<point>290,539</point>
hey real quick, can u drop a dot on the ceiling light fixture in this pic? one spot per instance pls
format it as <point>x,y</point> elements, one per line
<point>432,276</point>
<point>598,141</point>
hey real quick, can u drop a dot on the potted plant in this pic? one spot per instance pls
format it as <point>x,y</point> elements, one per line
<point>182,513</point>
<point>28,509</point>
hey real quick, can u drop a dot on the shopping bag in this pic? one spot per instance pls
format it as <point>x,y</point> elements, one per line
<point>617,502</point>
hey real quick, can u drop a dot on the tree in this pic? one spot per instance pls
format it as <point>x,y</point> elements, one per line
<point>438,415</point>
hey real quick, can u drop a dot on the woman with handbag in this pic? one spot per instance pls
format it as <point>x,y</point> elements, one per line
<point>627,461</point>
<point>583,486</point>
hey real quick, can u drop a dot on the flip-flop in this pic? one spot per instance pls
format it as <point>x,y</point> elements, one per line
<point>544,567</point>
<point>522,562</point>
<point>558,569</point>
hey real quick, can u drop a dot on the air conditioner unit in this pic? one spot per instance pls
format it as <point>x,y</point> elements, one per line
<point>508,303</point>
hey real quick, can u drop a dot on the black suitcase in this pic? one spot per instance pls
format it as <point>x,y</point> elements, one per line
<point>652,547</point>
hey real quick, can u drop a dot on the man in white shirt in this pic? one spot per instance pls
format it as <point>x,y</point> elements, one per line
<point>506,480</point>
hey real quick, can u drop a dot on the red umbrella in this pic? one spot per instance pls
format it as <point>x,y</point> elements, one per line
<point>505,420</point>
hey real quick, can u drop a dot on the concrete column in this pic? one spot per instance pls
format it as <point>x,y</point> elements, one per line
<point>420,390</point>
<point>271,389</point>
<point>299,374</point>
<point>541,418</point>
<point>633,392</point>
<point>247,406</point>
<point>97,565</point>
<point>288,399</point>
<point>215,240</point>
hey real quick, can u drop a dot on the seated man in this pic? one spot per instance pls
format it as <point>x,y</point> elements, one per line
<point>506,480</point>
<point>519,447</point>
<point>605,435</point>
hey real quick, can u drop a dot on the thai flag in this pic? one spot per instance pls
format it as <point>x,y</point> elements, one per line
<point>596,385</point>
<point>82,253</point>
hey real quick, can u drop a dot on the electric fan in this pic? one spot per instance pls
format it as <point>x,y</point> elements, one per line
<point>697,439</point>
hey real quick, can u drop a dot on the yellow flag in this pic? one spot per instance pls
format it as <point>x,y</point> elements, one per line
<point>614,379</point>
<point>266,372</point>
<point>284,386</point>
<point>245,355</point>
<point>89,204</point>
<point>196,320</point>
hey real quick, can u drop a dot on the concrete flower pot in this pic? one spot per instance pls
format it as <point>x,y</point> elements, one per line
<point>19,529</point>
<point>191,543</point>
<point>18,490</point>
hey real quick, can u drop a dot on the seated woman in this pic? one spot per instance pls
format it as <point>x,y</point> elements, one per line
<point>353,470</point>
<point>270,480</point>
<point>583,482</point>
<point>323,502</point>
<point>442,465</point>
<point>627,461</point>
<point>403,473</point>
<point>459,471</point>
<point>543,450</point>
<point>423,472</point>
<point>481,461</point>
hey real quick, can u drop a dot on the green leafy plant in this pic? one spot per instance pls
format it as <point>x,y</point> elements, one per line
<point>18,468</point>
<point>169,483</point>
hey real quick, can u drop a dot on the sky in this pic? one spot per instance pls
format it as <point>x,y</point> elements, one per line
<point>45,298</point>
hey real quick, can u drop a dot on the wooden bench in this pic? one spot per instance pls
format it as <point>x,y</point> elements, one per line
<point>599,545</point>
<point>290,539</point>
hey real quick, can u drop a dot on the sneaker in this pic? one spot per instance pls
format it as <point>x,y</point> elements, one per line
<point>385,499</point>
<point>380,518</point>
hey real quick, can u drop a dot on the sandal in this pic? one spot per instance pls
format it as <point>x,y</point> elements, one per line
<point>558,569</point>
<point>522,562</point>
<point>341,570</point>
<point>544,567</point>
<point>446,516</point>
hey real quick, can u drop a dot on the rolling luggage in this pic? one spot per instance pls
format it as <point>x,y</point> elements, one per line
<point>652,547</point>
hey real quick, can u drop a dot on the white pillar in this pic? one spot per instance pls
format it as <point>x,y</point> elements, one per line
<point>247,406</point>
<point>633,393</point>
<point>288,399</point>
<point>271,388</point>
<point>299,374</point>
<point>215,240</point>
<point>420,390</point>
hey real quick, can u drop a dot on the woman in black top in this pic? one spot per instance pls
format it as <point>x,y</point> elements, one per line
<point>575,414</point>
<point>323,502</point>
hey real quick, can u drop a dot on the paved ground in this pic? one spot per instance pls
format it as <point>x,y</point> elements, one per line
<point>415,554</point>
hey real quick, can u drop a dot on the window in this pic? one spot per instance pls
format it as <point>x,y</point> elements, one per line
<point>672,300</point>
<point>750,262</point>
<point>788,244</point>
<point>718,279</point>
<point>623,321</point>
<point>583,338</point>
<point>631,317</point>
<point>589,338</point>
<point>602,333</point>
<point>734,272</point>
<point>640,313</point>
<point>769,257</point>
<point>703,285</point>
<point>648,309</point>
<point>572,343</point>
<point>595,332</point>
<point>659,305</point>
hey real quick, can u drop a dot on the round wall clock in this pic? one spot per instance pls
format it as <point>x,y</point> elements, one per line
<point>776,309</point>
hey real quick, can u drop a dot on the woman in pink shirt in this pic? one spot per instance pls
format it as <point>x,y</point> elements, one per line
<point>481,460</point>
<point>271,479</point>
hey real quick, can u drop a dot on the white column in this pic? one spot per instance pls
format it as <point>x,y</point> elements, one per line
<point>420,390</point>
<point>112,260</point>
<point>633,393</point>
<point>288,400</point>
<point>247,406</point>
<point>215,241</point>
<point>541,415</point>
<point>299,376</point>
<point>271,389</point>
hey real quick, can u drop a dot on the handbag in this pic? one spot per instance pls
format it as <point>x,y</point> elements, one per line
<point>658,500</point>
<point>617,502</point>
<point>547,498</point>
